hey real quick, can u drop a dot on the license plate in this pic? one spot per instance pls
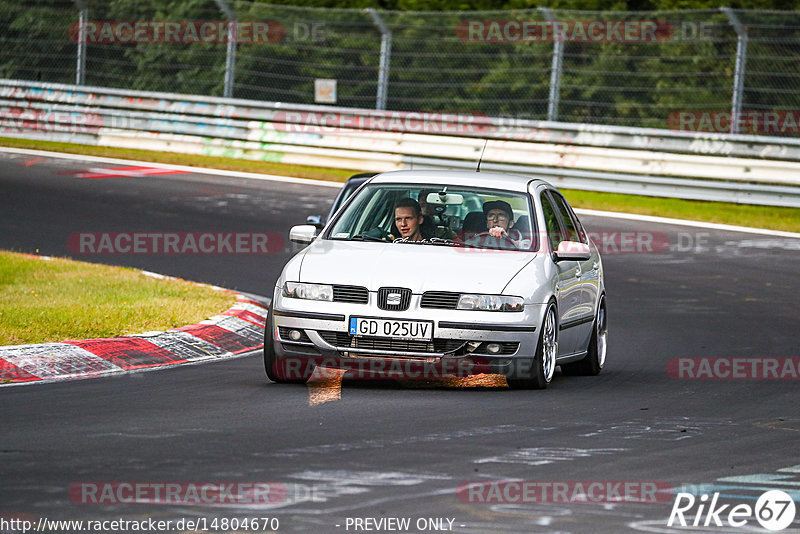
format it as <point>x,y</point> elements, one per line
<point>394,328</point>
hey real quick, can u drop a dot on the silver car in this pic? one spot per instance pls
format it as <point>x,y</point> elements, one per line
<point>499,277</point>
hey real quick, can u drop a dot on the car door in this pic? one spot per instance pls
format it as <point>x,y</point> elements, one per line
<point>590,268</point>
<point>581,321</point>
<point>568,283</point>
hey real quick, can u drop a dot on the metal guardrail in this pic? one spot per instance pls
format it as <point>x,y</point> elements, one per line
<point>709,190</point>
<point>725,167</point>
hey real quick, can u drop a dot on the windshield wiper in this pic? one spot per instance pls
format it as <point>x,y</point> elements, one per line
<point>366,237</point>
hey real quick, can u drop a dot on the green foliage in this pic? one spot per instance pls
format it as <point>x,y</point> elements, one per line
<point>433,66</point>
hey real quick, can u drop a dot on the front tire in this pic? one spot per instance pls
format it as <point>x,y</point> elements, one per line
<point>275,367</point>
<point>269,351</point>
<point>544,361</point>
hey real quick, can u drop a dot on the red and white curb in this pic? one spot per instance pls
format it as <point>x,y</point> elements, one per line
<point>238,330</point>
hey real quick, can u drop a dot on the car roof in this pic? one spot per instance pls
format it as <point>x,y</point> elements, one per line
<point>509,182</point>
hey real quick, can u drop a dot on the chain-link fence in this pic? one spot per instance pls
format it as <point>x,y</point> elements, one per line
<point>686,70</point>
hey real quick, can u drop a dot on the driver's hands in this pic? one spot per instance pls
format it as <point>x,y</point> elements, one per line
<point>497,232</point>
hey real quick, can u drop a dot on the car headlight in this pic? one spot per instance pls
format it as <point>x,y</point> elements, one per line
<point>490,303</point>
<point>297,290</point>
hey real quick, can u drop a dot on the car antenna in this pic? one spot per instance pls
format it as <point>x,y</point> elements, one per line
<point>481,158</point>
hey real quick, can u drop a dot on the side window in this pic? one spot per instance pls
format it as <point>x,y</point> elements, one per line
<point>347,194</point>
<point>577,222</point>
<point>551,222</point>
<point>571,232</point>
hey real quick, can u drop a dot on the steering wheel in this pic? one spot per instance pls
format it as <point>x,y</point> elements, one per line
<point>505,239</point>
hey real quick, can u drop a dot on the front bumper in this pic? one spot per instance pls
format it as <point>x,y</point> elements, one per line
<point>311,333</point>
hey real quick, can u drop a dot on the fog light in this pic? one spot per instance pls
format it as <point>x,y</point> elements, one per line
<point>493,348</point>
<point>295,335</point>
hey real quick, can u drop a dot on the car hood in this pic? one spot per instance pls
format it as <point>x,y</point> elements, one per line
<point>417,267</point>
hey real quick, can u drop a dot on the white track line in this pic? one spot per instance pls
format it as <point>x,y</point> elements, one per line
<point>186,168</point>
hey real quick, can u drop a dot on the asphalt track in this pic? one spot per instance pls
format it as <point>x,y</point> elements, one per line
<point>397,449</point>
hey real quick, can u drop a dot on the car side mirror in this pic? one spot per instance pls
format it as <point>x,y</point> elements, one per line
<point>303,233</point>
<point>572,250</point>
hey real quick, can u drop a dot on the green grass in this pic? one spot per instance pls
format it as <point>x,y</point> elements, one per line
<point>61,300</point>
<point>774,218</point>
<point>787,219</point>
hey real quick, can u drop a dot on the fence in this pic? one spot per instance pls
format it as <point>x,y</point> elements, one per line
<point>753,169</point>
<point>714,70</point>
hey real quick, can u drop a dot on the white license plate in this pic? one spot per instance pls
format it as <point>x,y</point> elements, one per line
<point>394,328</point>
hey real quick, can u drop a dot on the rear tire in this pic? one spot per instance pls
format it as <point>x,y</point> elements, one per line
<point>544,361</point>
<point>595,358</point>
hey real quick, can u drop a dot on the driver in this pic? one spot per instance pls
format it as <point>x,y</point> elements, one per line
<point>499,218</point>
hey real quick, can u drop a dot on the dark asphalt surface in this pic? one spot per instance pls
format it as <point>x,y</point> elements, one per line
<point>400,450</point>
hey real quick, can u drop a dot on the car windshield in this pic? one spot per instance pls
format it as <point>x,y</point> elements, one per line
<point>436,214</point>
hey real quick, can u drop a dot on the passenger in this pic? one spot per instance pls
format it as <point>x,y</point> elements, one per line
<point>430,226</point>
<point>428,210</point>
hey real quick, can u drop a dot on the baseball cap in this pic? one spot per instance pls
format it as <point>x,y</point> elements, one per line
<point>498,205</point>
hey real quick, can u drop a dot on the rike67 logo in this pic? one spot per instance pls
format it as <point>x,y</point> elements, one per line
<point>774,510</point>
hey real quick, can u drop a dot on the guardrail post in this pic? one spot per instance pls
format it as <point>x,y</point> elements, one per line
<point>741,59</point>
<point>386,52</point>
<point>230,54</point>
<point>80,68</point>
<point>555,70</point>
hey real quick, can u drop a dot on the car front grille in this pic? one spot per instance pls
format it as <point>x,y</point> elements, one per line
<point>343,339</point>
<point>404,345</point>
<point>351,294</point>
<point>394,298</point>
<point>445,300</point>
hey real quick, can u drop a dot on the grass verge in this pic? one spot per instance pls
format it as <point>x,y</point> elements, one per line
<point>774,218</point>
<point>771,217</point>
<point>61,300</point>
